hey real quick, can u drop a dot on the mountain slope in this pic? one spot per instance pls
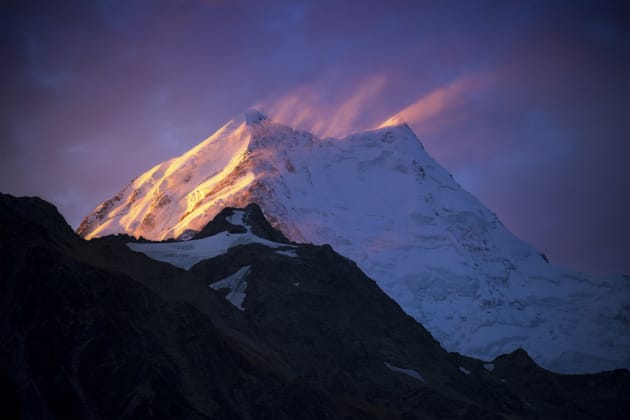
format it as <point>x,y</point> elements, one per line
<point>91,339</point>
<point>96,330</point>
<point>381,200</point>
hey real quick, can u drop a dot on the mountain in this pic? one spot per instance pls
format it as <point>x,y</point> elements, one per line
<point>379,199</point>
<point>255,327</point>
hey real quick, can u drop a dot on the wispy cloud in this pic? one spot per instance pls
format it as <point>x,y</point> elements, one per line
<point>344,119</point>
<point>306,107</point>
<point>437,103</point>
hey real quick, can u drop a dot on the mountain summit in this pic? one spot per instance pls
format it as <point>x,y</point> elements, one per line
<point>378,198</point>
<point>254,116</point>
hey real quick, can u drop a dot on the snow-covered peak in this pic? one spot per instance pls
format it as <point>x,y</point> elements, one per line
<point>254,116</point>
<point>378,198</point>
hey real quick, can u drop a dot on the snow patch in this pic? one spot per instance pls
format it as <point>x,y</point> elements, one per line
<point>236,218</point>
<point>409,372</point>
<point>289,253</point>
<point>489,366</point>
<point>186,254</point>
<point>463,370</point>
<point>237,285</point>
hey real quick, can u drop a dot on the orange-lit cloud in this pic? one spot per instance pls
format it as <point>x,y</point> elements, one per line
<point>437,102</point>
<point>306,108</point>
<point>345,117</point>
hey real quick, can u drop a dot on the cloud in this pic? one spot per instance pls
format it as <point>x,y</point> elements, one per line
<point>438,102</point>
<point>307,107</point>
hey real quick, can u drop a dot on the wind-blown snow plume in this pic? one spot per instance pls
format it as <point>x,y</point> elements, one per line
<point>435,103</point>
<point>307,109</point>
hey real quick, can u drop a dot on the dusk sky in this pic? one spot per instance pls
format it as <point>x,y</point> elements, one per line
<point>526,103</point>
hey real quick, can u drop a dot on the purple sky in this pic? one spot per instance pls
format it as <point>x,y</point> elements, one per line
<point>526,103</point>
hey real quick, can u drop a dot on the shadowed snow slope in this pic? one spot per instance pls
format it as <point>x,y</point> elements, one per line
<point>380,199</point>
<point>186,254</point>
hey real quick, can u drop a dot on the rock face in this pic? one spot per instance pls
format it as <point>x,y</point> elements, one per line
<point>86,339</point>
<point>95,330</point>
<point>379,199</point>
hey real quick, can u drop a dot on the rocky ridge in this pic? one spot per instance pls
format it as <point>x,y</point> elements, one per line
<point>96,330</point>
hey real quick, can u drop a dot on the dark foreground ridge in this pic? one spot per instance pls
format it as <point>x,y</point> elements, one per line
<point>93,330</point>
